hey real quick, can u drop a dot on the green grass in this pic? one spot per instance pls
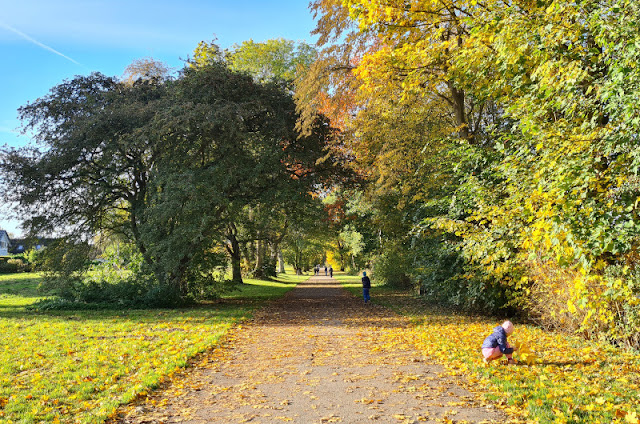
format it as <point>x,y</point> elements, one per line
<point>78,366</point>
<point>23,284</point>
<point>264,290</point>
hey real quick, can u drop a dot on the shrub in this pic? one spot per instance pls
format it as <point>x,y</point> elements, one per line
<point>550,292</point>
<point>604,304</point>
<point>64,264</point>
<point>34,259</point>
<point>394,267</point>
<point>13,265</point>
<point>446,277</point>
<point>121,278</point>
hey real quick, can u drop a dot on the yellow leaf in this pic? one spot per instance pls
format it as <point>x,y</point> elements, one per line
<point>632,418</point>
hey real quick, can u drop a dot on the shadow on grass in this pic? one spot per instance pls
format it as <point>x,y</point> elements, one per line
<point>561,364</point>
<point>20,303</point>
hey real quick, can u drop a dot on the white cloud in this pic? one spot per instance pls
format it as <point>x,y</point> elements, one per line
<point>113,23</point>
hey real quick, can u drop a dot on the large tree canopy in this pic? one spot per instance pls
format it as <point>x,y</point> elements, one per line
<point>167,163</point>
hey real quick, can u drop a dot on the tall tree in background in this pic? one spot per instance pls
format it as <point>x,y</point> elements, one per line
<point>257,236</point>
<point>145,69</point>
<point>386,73</point>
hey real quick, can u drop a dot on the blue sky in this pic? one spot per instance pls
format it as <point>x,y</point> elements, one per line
<point>44,42</point>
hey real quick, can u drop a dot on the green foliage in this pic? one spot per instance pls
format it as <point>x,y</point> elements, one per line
<point>305,244</point>
<point>394,266</point>
<point>64,265</point>
<point>32,257</point>
<point>206,53</point>
<point>122,279</point>
<point>207,280</point>
<point>166,165</point>
<point>24,262</point>
<point>272,60</point>
<point>622,294</point>
<point>10,265</point>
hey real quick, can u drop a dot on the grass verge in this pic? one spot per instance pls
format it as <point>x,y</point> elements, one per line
<point>571,381</point>
<point>79,366</point>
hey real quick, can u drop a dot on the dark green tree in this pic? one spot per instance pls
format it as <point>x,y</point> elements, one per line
<point>167,164</point>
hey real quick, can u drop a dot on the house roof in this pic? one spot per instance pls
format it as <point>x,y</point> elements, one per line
<point>4,233</point>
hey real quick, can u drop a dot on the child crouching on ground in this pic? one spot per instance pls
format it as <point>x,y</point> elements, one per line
<point>496,344</point>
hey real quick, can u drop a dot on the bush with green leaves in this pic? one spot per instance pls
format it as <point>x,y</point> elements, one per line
<point>120,277</point>
<point>394,266</point>
<point>12,265</point>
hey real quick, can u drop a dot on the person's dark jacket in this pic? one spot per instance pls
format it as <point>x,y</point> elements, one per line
<point>498,339</point>
<point>366,283</point>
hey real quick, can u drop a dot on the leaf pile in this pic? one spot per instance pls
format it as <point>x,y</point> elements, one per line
<point>560,378</point>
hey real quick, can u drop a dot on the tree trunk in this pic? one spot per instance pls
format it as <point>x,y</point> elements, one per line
<point>280,262</point>
<point>177,277</point>
<point>236,269</point>
<point>258,270</point>
<point>247,255</point>
<point>457,98</point>
<point>233,247</point>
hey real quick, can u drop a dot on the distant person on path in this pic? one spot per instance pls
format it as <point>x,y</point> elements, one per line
<point>366,286</point>
<point>325,270</point>
<point>330,271</point>
<point>497,345</point>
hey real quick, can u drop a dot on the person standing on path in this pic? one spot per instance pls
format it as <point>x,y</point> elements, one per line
<point>366,286</point>
<point>330,271</point>
<point>325,270</point>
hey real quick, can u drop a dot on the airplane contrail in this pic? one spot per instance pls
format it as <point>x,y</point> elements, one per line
<point>36,42</point>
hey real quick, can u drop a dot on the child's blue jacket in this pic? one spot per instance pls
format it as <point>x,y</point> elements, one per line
<point>498,339</point>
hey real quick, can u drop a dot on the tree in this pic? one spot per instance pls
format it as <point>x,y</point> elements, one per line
<point>263,225</point>
<point>501,136</point>
<point>205,54</point>
<point>93,171</point>
<point>568,188</point>
<point>306,241</point>
<point>272,60</point>
<point>166,163</point>
<point>146,68</point>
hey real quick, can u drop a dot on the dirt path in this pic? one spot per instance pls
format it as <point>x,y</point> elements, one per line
<point>318,355</point>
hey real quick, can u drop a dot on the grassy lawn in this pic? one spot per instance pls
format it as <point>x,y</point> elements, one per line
<point>23,288</point>
<point>571,380</point>
<point>78,366</point>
